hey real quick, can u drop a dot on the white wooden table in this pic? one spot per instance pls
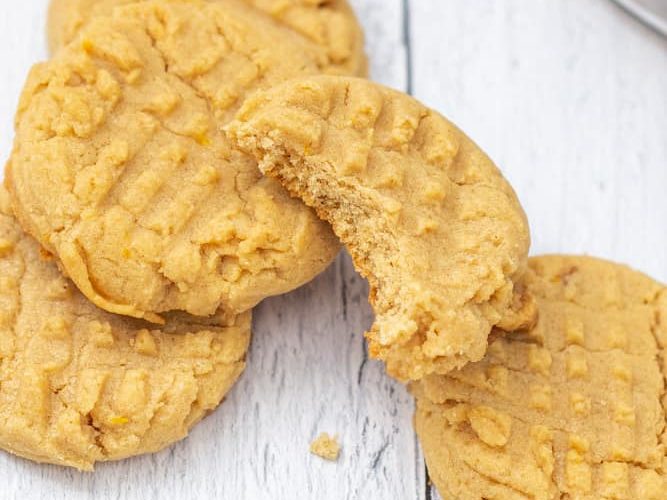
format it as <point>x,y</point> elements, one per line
<point>568,96</point>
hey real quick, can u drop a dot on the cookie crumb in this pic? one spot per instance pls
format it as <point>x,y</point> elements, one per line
<point>326,447</point>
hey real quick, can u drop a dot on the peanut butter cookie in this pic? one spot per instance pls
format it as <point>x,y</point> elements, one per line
<point>79,385</point>
<point>427,217</point>
<point>571,408</point>
<point>120,167</point>
<point>328,25</point>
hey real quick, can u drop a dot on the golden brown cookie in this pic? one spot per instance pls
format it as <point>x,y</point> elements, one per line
<point>427,217</point>
<point>568,409</point>
<point>328,25</point>
<point>79,385</point>
<point>120,167</point>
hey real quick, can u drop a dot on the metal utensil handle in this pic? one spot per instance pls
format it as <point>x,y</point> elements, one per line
<point>644,15</point>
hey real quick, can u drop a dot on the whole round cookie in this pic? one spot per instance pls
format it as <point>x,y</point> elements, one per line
<point>571,408</point>
<point>120,167</point>
<point>329,25</point>
<point>427,217</point>
<point>79,385</point>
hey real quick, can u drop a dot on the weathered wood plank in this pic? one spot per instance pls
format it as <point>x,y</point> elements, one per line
<point>308,370</point>
<point>568,96</point>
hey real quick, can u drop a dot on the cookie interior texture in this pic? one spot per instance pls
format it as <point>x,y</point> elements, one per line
<point>120,167</point>
<point>79,385</point>
<point>426,215</point>
<point>330,26</point>
<point>572,408</point>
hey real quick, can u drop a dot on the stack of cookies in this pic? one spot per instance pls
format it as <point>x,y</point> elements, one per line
<point>123,181</point>
<point>178,161</point>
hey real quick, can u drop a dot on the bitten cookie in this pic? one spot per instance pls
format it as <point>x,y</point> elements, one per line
<point>120,167</point>
<point>427,217</point>
<point>329,25</point>
<point>572,408</point>
<point>78,385</point>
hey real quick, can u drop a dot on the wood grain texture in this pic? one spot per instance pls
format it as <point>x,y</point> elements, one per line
<point>307,372</point>
<point>568,96</point>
